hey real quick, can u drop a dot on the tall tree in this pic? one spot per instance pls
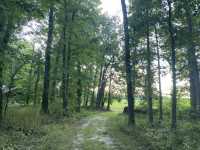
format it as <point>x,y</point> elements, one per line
<point>45,97</point>
<point>159,76</point>
<point>192,62</point>
<point>64,63</point>
<point>149,72</point>
<point>173,62</point>
<point>128,65</point>
<point>5,31</point>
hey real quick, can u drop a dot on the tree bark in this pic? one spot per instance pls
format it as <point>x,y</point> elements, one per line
<point>101,90</point>
<point>35,101</point>
<point>45,97</point>
<point>64,63</point>
<point>79,88</point>
<point>1,89</point>
<point>193,66</point>
<point>99,86</point>
<point>159,77</point>
<point>109,92</point>
<point>131,119</point>
<point>4,39</point>
<point>55,76</point>
<point>149,77</point>
<point>173,64</point>
<point>93,90</point>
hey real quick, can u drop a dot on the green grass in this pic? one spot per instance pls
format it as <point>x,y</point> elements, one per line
<point>25,128</point>
<point>159,137</point>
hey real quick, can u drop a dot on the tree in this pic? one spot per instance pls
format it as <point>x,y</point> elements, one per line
<point>159,77</point>
<point>173,62</point>
<point>64,65</point>
<point>45,97</point>
<point>128,65</point>
<point>79,88</point>
<point>149,73</point>
<point>192,61</point>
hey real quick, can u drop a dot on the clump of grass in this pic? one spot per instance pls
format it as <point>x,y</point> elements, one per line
<point>22,117</point>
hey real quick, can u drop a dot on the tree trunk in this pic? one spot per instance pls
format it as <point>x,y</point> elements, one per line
<point>79,88</point>
<point>93,90</point>
<point>101,90</point>
<point>193,66</point>
<point>173,64</point>
<point>109,93</point>
<point>55,76</point>
<point>35,101</point>
<point>99,85</point>
<point>134,61</point>
<point>5,30</point>
<point>128,66</point>
<point>64,63</point>
<point>45,97</point>
<point>149,77</point>
<point>159,78</point>
<point>1,89</point>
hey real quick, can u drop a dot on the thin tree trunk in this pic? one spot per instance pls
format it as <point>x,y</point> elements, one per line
<point>55,74</point>
<point>149,78</point>
<point>87,97</point>
<point>101,90</point>
<point>45,97</point>
<point>65,103</point>
<point>159,78</point>
<point>64,63</point>
<point>173,64</point>
<point>128,66</point>
<point>84,96</point>
<point>99,86</point>
<point>79,88</point>
<point>35,101</point>
<point>109,93</point>
<point>1,89</point>
<point>93,90</point>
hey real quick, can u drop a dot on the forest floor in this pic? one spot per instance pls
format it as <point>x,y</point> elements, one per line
<point>85,131</point>
<point>94,130</point>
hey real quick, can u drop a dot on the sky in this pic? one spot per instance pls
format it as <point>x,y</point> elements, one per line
<point>113,8</point>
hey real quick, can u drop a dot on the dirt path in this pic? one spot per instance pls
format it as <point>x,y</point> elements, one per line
<point>92,134</point>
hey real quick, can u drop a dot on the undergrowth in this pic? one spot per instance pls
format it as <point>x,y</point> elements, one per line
<point>142,136</point>
<point>25,128</point>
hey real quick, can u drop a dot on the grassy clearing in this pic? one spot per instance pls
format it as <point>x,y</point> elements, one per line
<point>159,137</point>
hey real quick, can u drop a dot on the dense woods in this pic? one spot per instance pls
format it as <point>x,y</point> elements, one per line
<point>63,62</point>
